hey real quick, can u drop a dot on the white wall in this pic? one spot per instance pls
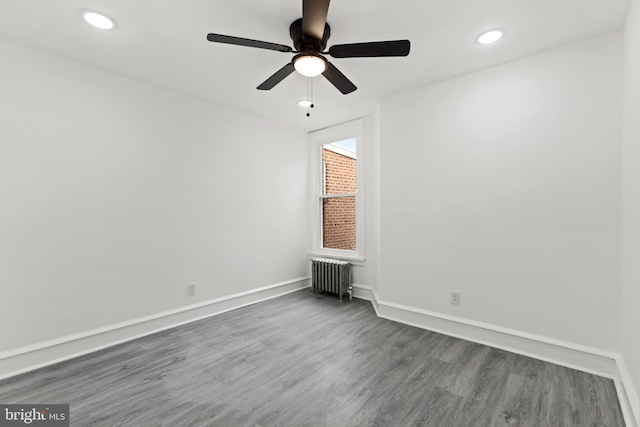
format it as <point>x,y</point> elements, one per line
<point>504,185</point>
<point>114,195</point>
<point>363,272</point>
<point>631,201</point>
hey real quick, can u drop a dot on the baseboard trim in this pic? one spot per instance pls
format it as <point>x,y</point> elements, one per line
<point>627,395</point>
<point>587,359</point>
<point>575,356</point>
<point>362,292</point>
<point>366,293</point>
<point>28,358</point>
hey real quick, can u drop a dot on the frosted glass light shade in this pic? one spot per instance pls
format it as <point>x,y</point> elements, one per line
<point>310,65</point>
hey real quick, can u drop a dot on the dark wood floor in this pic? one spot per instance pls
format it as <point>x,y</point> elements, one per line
<point>308,360</point>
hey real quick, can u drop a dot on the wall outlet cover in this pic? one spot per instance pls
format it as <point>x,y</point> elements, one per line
<point>191,289</point>
<point>455,297</point>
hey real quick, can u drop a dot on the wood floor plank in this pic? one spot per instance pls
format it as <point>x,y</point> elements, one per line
<point>438,410</point>
<point>519,403</point>
<point>464,367</point>
<point>309,360</point>
<point>485,393</point>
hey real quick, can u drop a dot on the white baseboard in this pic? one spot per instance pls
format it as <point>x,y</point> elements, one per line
<point>628,395</point>
<point>28,358</point>
<point>583,358</point>
<point>587,359</point>
<point>362,292</point>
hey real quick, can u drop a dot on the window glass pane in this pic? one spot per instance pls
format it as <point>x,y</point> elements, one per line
<point>338,217</point>
<point>339,167</point>
<point>339,223</point>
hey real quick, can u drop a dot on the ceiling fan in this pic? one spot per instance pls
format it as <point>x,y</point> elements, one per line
<point>310,34</point>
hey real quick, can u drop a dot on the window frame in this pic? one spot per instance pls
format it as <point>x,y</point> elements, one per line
<point>352,129</point>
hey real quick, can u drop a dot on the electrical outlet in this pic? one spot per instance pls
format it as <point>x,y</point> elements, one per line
<point>191,289</point>
<point>455,297</point>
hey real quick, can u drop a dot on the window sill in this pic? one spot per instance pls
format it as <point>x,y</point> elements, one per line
<point>354,259</point>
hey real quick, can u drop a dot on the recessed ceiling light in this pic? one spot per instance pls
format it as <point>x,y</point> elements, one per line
<point>98,20</point>
<point>304,103</point>
<point>490,36</point>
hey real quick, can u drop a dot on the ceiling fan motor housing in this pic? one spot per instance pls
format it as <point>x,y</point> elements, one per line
<point>303,44</point>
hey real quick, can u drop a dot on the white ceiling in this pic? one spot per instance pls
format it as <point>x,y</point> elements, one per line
<point>163,42</point>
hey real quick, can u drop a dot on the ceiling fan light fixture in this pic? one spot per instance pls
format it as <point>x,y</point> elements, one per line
<point>98,20</point>
<point>309,65</point>
<point>305,103</point>
<point>490,36</point>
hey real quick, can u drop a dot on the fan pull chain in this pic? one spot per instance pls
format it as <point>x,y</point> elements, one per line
<point>310,94</point>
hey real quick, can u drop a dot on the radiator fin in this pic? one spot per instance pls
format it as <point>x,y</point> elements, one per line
<point>331,275</point>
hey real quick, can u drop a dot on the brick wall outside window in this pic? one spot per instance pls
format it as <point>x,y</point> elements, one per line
<point>339,213</point>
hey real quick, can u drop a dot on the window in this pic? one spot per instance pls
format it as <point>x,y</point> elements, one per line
<point>336,191</point>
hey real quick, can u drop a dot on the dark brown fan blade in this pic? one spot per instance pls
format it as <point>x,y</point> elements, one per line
<point>277,77</point>
<point>219,38</point>
<point>371,49</point>
<point>314,16</point>
<point>338,79</point>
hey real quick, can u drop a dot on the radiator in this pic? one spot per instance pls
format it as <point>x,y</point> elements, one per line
<point>331,275</point>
